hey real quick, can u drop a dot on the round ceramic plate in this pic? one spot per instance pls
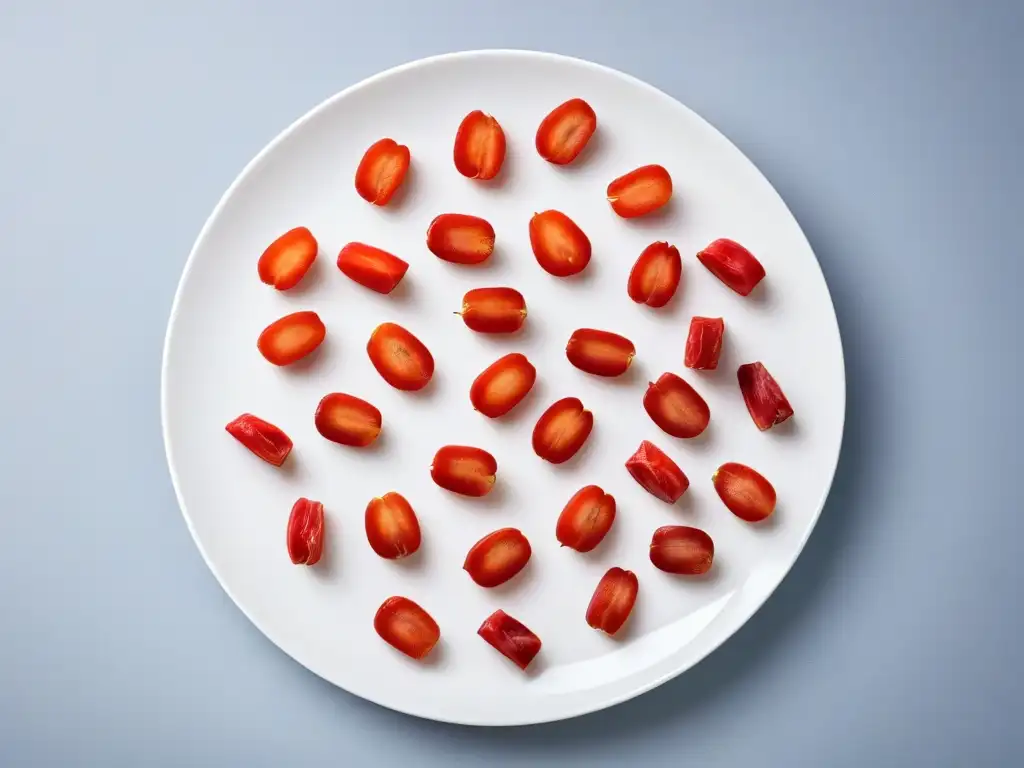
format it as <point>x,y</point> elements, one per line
<point>237,506</point>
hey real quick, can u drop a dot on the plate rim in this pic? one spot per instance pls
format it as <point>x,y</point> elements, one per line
<point>283,135</point>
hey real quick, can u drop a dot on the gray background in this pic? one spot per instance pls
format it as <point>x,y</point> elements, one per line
<point>892,129</point>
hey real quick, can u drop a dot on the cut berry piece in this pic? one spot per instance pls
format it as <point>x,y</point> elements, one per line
<point>655,276</point>
<point>391,526</point>
<point>586,519</point>
<point>746,493</point>
<point>402,624</point>
<point>613,600</point>
<point>564,133</point>
<point>639,192</point>
<point>511,638</point>
<point>465,470</point>
<point>733,264</point>
<point>261,437</point>
<point>676,407</point>
<point>704,343</point>
<point>381,171</point>
<point>683,550</point>
<point>560,246</point>
<point>291,338</point>
<point>288,259</point>
<point>460,238</point>
<point>601,353</point>
<point>763,396</point>
<point>479,146</point>
<point>562,430</point>
<point>347,420</point>
<point>306,532</point>
<point>657,473</point>
<point>371,267</point>
<point>493,310</point>
<point>497,557</point>
<point>503,385</point>
<point>400,358</point>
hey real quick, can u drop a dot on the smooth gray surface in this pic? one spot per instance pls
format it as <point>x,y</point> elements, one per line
<point>892,129</point>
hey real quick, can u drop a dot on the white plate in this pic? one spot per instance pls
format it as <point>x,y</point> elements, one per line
<point>236,506</point>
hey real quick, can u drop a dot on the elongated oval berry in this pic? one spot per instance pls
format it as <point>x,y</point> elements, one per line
<point>657,473</point>
<point>371,267</point>
<point>306,532</point>
<point>565,131</point>
<point>460,238</point>
<point>465,470</point>
<point>493,310</point>
<point>655,276</point>
<point>763,396</point>
<point>291,338</point>
<point>479,146</point>
<point>288,259</point>
<point>682,550</point>
<point>347,420</point>
<point>704,343</point>
<point>382,171</point>
<point>562,430</point>
<point>391,526</point>
<point>404,625</point>
<point>497,557</point>
<point>733,264</point>
<point>560,246</point>
<point>746,493</point>
<point>586,519</point>
<point>641,191</point>
<point>503,385</point>
<point>613,600</point>
<point>261,437</point>
<point>676,407</point>
<point>601,353</point>
<point>511,638</point>
<point>402,360</point>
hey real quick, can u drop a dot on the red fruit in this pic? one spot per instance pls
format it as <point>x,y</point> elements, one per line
<point>613,600</point>
<point>655,276</point>
<point>600,352</point>
<point>704,343</point>
<point>733,264</point>
<point>291,338</point>
<point>465,470</point>
<point>676,407</point>
<point>497,557</point>
<point>391,526</point>
<point>564,133</point>
<point>493,310</point>
<point>763,396</point>
<point>746,493</point>
<point>560,246</point>
<point>381,171</point>
<point>402,624</point>
<point>479,146</point>
<point>288,258</point>
<point>681,549</point>
<point>306,532</point>
<point>562,430</point>
<point>371,267</point>
<point>400,358</point>
<point>503,385</point>
<point>347,420</point>
<point>586,519</point>
<point>261,437</point>
<point>641,191</point>
<point>510,638</point>
<point>460,239</point>
<point>657,473</point>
